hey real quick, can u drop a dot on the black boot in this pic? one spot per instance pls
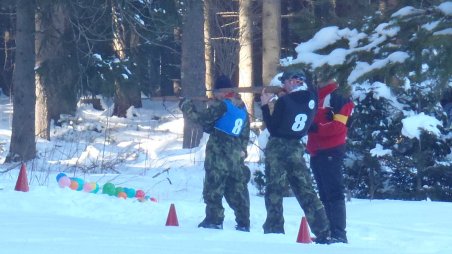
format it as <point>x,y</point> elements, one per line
<point>242,228</point>
<point>206,224</point>
<point>273,229</point>
<point>336,212</point>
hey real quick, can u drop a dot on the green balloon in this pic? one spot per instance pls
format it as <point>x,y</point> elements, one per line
<point>118,190</point>
<point>109,189</point>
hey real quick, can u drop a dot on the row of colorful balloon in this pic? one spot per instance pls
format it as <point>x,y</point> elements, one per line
<point>122,192</point>
<point>76,183</point>
<point>79,184</point>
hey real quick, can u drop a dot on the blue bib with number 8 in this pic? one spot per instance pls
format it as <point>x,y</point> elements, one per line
<point>232,122</point>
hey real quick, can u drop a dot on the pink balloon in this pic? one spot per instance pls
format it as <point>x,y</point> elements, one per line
<point>88,187</point>
<point>64,182</point>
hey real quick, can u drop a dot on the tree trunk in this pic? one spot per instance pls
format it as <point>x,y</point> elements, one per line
<point>246,51</point>
<point>7,51</point>
<point>127,92</point>
<point>208,46</point>
<point>271,39</point>
<point>56,75</point>
<point>193,65</point>
<point>23,143</point>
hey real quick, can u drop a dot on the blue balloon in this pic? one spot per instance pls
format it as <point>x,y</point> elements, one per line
<point>59,176</point>
<point>130,192</point>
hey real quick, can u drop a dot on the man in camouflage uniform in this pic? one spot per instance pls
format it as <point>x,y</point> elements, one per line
<point>292,115</point>
<point>226,120</point>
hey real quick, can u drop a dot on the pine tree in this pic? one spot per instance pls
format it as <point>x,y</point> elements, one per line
<point>398,69</point>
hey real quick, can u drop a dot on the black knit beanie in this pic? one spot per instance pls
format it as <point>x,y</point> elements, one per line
<point>223,82</point>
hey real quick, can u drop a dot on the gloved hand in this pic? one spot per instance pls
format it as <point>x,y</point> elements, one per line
<point>313,128</point>
<point>329,115</point>
<point>182,103</point>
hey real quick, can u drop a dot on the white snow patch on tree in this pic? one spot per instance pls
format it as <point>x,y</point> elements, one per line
<point>413,125</point>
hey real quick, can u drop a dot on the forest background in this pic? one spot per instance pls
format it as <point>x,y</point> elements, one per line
<point>56,54</point>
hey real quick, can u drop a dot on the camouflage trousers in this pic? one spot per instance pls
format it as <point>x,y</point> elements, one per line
<point>226,176</point>
<point>284,158</point>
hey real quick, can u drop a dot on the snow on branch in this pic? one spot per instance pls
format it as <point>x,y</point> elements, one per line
<point>363,67</point>
<point>413,125</point>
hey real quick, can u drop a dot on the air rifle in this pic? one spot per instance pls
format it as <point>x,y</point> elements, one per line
<point>254,89</point>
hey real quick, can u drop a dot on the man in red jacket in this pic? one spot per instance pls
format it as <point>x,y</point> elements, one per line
<point>326,146</point>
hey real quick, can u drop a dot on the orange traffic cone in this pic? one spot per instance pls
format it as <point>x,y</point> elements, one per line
<point>304,235</point>
<point>22,181</point>
<point>172,217</point>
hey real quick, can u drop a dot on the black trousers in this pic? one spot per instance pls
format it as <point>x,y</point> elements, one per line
<point>328,173</point>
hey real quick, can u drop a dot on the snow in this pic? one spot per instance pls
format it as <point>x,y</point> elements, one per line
<point>326,36</point>
<point>413,125</point>
<point>148,156</point>
<point>446,8</point>
<point>387,30</point>
<point>97,56</point>
<point>275,80</point>
<point>378,151</point>
<point>378,90</point>
<point>306,51</point>
<point>139,20</point>
<point>405,11</point>
<point>432,25</point>
<point>447,31</point>
<point>363,67</point>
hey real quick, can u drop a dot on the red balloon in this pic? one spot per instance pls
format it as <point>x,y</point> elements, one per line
<point>140,194</point>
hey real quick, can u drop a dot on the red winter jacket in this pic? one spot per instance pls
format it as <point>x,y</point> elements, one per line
<point>330,134</point>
